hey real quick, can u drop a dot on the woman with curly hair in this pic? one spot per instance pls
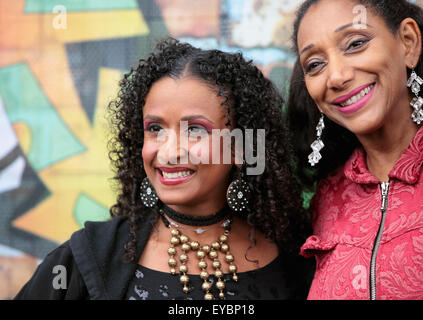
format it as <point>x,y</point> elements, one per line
<point>191,222</point>
<point>357,78</point>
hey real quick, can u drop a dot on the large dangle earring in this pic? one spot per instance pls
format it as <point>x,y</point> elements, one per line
<point>318,144</point>
<point>148,195</point>
<point>238,193</point>
<point>415,82</point>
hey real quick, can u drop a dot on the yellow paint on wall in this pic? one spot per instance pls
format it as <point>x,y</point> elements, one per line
<point>97,25</point>
<point>23,132</point>
<point>88,173</point>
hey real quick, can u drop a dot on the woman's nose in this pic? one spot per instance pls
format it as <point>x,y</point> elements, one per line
<point>174,148</point>
<point>340,73</point>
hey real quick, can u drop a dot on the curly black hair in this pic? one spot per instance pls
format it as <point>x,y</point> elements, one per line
<point>303,114</point>
<point>253,103</point>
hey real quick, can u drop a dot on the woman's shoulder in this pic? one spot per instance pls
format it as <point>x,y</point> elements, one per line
<point>117,228</point>
<point>95,229</point>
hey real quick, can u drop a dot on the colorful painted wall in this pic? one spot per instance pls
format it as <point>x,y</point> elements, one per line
<point>60,63</point>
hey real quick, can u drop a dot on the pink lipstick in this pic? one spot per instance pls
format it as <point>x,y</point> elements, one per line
<point>174,176</point>
<point>356,99</point>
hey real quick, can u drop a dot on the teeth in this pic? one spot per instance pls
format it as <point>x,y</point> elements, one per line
<point>174,175</point>
<point>358,96</point>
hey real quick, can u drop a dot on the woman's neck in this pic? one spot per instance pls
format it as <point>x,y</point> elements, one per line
<point>385,146</point>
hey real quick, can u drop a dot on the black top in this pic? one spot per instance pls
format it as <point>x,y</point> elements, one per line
<point>267,283</point>
<point>96,268</point>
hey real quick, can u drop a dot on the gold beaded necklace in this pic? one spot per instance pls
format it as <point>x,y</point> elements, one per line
<point>202,252</point>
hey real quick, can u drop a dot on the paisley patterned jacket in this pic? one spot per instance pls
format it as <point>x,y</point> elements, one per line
<point>368,236</point>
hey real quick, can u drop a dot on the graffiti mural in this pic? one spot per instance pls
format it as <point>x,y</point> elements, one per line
<point>60,63</point>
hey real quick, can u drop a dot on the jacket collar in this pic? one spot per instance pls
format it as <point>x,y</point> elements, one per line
<point>98,250</point>
<point>407,169</point>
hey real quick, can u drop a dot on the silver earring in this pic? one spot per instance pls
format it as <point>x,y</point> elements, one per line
<point>238,194</point>
<point>414,82</point>
<point>148,194</point>
<point>318,144</point>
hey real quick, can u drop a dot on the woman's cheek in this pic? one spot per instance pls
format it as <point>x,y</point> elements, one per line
<point>149,151</point>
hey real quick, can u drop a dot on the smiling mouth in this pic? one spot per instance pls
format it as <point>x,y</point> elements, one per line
<point>175,175</point>
<point>357,97</point>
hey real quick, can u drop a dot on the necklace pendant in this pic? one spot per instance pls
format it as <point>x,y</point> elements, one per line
<point>174,224</point>
<point>199,230</point>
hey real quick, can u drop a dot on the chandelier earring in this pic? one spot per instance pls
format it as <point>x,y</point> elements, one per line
<point>318,144</point>
<point>414,82</point>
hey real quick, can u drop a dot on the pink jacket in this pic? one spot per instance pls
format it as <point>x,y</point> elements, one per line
<point>368,245</point>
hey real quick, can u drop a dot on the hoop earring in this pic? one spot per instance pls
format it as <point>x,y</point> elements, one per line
<point>414,82</point>
<point>238,193</point>
<point>318,144</point>
<point>148,195</point>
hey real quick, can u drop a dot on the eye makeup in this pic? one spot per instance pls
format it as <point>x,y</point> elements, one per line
<point>207,125</point>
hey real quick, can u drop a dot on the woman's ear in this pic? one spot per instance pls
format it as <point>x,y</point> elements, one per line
<point>410,34</point>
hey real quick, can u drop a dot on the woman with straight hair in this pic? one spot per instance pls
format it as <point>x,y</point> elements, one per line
<point>355,111</point>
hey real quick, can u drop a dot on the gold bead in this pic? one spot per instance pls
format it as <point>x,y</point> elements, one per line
<point>229,258</point>
<point>221,295</point>
<point>185,247</point>
<point>174,232</point>
<point>202,264</point>
<point>224,247</point>
<point>171,262</point>
<point>216,264</point>
<point>235,277</point>
<point>213,254</point>
<point>185,289</point>
<point>232,268</point>
<point>208,296</point>
<point>174,240</point>
<point>194,245</point>
<point>183,257</point>
<point>206,286</point>
<point>215,245</point>
<point>220,285</point>
<point>223,238</point>
<point>218,273</point>
<point>204,275</point>
<point>183,268</point>
<point>173,271</point>
<point>183,238</point>
<point>171,251</point>
<point>206,248</point>
<point>184,279</point>
<point>201,254</point>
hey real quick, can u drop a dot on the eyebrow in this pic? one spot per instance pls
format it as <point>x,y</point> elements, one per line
<point>183,119</point>
<point>336,30</point>
<point>196,117</point>
<point>351,25</point>
<point>306,48</point>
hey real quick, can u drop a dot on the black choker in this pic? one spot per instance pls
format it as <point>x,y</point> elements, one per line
<point>195,220</point>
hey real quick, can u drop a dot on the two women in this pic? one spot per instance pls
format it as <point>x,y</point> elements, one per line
<point>193,230</point>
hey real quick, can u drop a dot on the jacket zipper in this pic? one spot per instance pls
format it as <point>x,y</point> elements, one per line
<point>384,187</point>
